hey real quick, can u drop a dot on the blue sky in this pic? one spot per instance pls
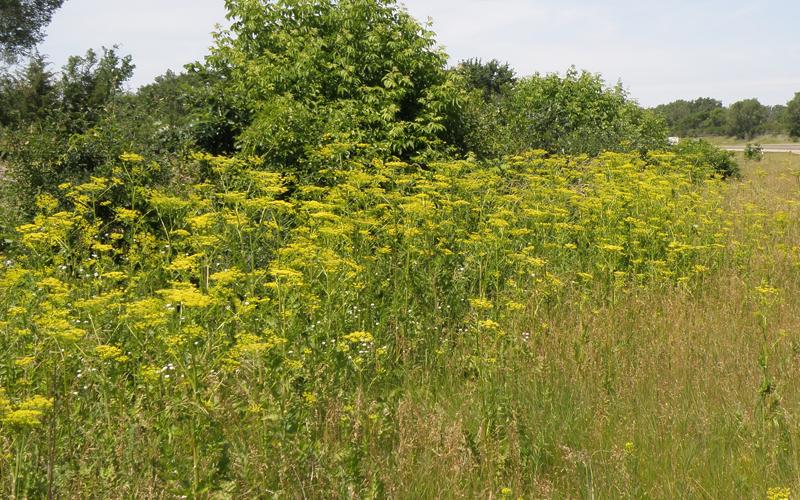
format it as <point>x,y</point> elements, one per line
<point>661,50</point>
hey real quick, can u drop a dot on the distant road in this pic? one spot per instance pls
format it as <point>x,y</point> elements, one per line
<point>769,148</point>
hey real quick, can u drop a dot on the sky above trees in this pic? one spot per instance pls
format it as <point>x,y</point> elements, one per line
<point>662,51</point>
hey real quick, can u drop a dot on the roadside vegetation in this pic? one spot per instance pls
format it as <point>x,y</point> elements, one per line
<point>297,272</point>
<point>746,120</point>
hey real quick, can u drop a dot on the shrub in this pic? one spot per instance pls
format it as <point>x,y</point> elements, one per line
<point>754,152</point>
<point>307,76</point>
<point>578,114</point>
<point>702,152</point>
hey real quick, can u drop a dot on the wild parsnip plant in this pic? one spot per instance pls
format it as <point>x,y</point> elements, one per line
<point>391,330</point>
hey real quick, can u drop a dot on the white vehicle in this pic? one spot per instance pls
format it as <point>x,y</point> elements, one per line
<point>674,141</point>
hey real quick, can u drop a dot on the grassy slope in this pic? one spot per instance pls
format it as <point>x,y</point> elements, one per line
<point>675,395</point>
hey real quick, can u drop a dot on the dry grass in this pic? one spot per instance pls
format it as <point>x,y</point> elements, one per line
<point>762,139</point>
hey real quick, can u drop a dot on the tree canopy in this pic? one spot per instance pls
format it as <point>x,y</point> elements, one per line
<point>493,78</point>
<point>578,113</point>
<point>793,116</point>
<point>307,75</point>
<point>747,118</point>
<point>22,24</point>
<point>703,116</point>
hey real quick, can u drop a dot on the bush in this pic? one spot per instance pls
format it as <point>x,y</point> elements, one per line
<point>308,76</point>
<point>754,152</point>
<point>702,152</point>
<point>578,114</point>
<point>77,125</point>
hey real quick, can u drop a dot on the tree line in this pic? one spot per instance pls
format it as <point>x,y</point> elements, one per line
<point>743,119</point>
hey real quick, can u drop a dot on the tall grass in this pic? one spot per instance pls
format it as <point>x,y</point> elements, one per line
<point>547,327</point>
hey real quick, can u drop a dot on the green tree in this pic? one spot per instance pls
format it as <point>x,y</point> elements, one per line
<point>22,24</point>
<point>308,77</point>
<point>792,116</point>
<point>776,120</point>
<point>747,118</point>
<point>578,113</point>
<point>64,128</point>
<point>28,96</point>
<point>478,126</point>
<point>703,116</point>
<point>88,83</point>
<point>492,78</point>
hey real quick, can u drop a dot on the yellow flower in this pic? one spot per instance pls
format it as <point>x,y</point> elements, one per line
<point>24,361</point>
<point>767,291</point>
<point>359,337</point>
<point>779,493</point>
<point>227,277</point>
<point>611,248</point>
<point>131,157</point>
<point>187,263</point>
<point>109,352</point>
<point>186,295</point>
<point>46,203</point>
<point>23,418</point>
<point>150,373</point>
<point>125,215</point>
<point>515,306</point>
<point>480,304</point>
<point>488,324</point>
<point>37,402</point>
<point>5,404</point>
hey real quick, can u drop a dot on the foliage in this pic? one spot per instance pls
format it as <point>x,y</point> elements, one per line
<point>88,83</point>
<point>313,79</point>
<point>777,120</point>
<point>708,117</point>
<point>22,24</point>
<point>793,116</point>
<point>493,78</point>
<point>59,128</point>
<point>702,152</point>
<point>746,118</point>
<point>754,152</point>
<point>578,114</point>
<point>478,126</point>
<point>27,96</point>
<point>703,116</point>
<point>74,101</point>
<point>215,120</point>
<point>252,332</point>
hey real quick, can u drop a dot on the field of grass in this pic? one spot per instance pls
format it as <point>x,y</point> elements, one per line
<point>667,393</point>
<point>544,328</point>
<point>762,139</point>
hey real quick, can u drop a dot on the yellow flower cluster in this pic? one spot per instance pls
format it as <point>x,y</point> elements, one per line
<point>256,289</point>
<point>27,413</point>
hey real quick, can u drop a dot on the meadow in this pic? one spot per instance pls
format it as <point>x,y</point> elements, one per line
<point>541,327</point>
